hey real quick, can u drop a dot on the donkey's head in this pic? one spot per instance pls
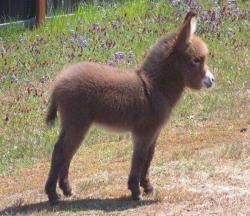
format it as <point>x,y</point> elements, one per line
<point>192,53</point>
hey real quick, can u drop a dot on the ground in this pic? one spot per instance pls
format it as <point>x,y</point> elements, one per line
<point>202,160</point>
<point>206,172</point>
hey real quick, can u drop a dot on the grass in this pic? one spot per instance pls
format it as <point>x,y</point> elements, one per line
<point>202,135</point>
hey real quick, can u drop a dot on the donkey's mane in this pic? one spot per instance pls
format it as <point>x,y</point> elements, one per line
<point>159,54</point>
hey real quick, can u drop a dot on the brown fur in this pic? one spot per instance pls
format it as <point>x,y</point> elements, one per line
<point>139,101</point>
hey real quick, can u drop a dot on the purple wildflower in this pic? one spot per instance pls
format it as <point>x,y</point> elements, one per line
<point>83,42</point>
<point>230,4</point>
<point>119,56</point>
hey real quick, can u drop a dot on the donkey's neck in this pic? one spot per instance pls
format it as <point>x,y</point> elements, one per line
<point>165,77</point>
<point>170,87</point>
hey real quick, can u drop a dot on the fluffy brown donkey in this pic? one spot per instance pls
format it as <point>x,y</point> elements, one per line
<point>139,101</point>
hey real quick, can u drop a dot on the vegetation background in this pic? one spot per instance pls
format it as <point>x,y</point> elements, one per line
<point>202,161</point>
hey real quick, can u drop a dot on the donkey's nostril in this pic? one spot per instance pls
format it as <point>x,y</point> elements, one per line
<point>207,82</point>
<point>210,76</point>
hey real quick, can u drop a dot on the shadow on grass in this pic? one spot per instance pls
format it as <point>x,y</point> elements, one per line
<point>106,205</point>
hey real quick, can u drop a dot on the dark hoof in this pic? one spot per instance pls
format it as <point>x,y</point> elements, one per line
<point>137,197</point>
<point>65,187</point>
<point>68,193</point>
<point>54,199</point>
<point>149,190</point>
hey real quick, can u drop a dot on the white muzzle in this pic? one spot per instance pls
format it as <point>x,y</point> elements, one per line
<point>208,80</point>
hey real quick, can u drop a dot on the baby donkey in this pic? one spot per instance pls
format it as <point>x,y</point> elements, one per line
<point>139,101</point>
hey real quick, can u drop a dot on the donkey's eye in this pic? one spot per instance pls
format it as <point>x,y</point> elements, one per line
<point>197,60</point>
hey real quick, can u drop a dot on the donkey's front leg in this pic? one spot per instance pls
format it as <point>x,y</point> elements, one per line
<point>144,181</point>
<point>141,147</point>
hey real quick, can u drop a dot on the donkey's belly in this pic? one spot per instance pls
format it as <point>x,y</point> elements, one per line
<point>115,121</point>
<point>113,127</point>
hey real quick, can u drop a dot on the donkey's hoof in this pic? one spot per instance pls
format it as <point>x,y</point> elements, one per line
<point>149,190</point>
<point>65,187</point>
<point>68,193</point>
<point>137,197</point>
<point>54,199</point>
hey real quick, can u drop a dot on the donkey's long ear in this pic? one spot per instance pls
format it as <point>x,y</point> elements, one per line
<point>186,31</point>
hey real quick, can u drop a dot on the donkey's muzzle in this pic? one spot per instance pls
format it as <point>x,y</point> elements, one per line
<point>208,80</point>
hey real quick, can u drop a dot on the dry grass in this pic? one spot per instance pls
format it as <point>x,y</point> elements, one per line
<point>182,183</point>
<point>175,195</point>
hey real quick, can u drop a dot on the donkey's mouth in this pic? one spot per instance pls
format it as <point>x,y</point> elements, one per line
<point>207,83</point>
<point>208,80</point>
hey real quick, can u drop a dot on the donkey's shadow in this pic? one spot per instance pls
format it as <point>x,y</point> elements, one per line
<point>105,205</point>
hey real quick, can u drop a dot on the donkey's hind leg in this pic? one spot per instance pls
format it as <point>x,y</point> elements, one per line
<point>69,141</point>
<point>76,138</point>
<point>50,187</point>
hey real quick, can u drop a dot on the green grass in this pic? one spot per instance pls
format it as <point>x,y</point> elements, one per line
<point>24,137</point>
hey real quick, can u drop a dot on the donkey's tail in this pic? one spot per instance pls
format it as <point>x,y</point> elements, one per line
<point>52,111</point>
